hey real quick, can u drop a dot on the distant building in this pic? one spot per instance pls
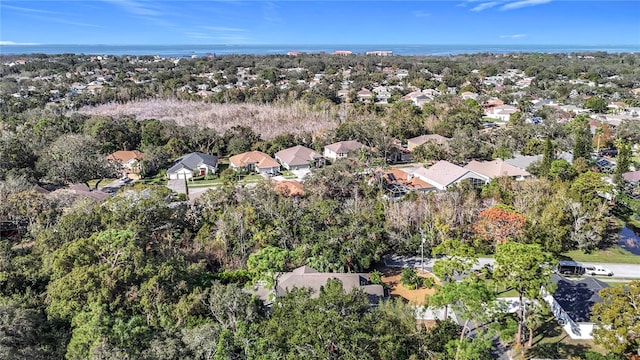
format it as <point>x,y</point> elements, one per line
<point>343,52</point>
<point>380,53</point>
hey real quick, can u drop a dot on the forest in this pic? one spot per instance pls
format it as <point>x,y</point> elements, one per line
<point>147,274</point>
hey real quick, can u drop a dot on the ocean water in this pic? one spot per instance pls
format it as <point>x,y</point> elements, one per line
<point>203,50</point>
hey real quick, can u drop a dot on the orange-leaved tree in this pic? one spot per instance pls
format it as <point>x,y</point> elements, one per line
<point>499,224</point>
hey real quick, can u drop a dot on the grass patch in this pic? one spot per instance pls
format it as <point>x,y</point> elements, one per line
<point>614,254</point>
<point>103,182</point>
<point>157,179</point>
<point>287,174</point>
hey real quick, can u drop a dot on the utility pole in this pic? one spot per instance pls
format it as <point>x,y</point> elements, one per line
<point>422,249</point>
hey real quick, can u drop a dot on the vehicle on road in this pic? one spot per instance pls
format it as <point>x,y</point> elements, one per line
<point>597,271</point>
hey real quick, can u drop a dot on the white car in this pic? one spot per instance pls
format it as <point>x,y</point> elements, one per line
<point>597,271</point>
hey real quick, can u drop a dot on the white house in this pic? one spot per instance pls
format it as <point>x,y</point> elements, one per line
<point>341,149</point>
<point>196,163</point>
<point>571,304</point>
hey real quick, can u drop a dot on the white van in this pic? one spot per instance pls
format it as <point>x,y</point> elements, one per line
<point>597,271</point>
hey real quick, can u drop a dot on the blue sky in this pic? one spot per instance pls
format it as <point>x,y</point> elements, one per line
<point>121,22</point>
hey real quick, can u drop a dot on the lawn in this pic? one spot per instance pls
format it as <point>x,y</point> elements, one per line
<point>614,254</point>
<point>288,175</point>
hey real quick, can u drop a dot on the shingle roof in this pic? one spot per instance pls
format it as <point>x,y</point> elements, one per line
<point>124,156</point>
<point>632,176</point>
<point>577,297</point>
<point>193,161</point>
<point>306,277</point>
<point>495,168</point>
<point>259,158</point>
<point>297,155</point>
<point>523,161</point>
<point>344,146</point>
<point>442,173</point>
<point>419,140</point>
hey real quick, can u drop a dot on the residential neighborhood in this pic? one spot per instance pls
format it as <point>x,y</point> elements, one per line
<point>320,205</point>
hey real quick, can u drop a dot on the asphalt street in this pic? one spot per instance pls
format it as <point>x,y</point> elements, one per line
<point>624,271</point>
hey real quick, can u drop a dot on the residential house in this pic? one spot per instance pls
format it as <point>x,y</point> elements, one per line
<point>341,149</point>
<point>497,168</point>
<point>632,176</point>
<point>418,98</point>
<point>469,95</point>
<point>444,174</point>
<point>523,161</point>
<point>502,112</point>
<point>254,161</point>
<point>398,153</point>
<point>571,304</point>
<point>364,94</point>
<point>307,277</point>
<point>127,160</point>
<point>422,139</point>
<point>194,164</point>
<point>399,182</point>
<point>299,157</point>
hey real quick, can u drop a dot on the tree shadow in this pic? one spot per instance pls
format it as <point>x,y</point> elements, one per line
<point>550,329</point>
<point>557,350</point>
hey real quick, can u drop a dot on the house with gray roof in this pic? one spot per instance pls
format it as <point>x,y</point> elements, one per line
<point>309,278</point>
<point>571,304</point>
<point>299,157</point>
<point>194,164</point>
<point>523,161</point>
<point>341,149</point>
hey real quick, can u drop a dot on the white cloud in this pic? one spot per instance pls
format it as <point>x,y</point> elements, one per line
<point>485,6</point>
<point>6,42</point>
<point>514,36</point>
<point>523,3</point>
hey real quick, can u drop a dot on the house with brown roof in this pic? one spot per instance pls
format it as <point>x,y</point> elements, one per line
<point>341,149</point>
<point>444,174</point>
<point>422,139</point>
<point>254,161</point>
<point>399,182</point>
<point>127,160</point>
<point>497,168</point>
<point>299,157</point>
<point>309,278</point>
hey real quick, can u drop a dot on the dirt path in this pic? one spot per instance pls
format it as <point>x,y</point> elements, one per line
<point>391,277</point>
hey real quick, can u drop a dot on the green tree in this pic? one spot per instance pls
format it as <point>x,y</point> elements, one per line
<point>582,142</point>
<point>548,156</point>
<point>75,159</point>
<point>597,104</point>
<point>623,160</point>
<point>524,268</point>
<point>618,319</point>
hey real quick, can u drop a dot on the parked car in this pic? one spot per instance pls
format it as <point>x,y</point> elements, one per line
<point>597,271</point>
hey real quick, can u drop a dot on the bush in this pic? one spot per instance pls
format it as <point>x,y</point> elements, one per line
<point>410,279</point>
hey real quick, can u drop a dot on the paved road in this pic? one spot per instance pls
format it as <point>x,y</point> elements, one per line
<point>619,270</point>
